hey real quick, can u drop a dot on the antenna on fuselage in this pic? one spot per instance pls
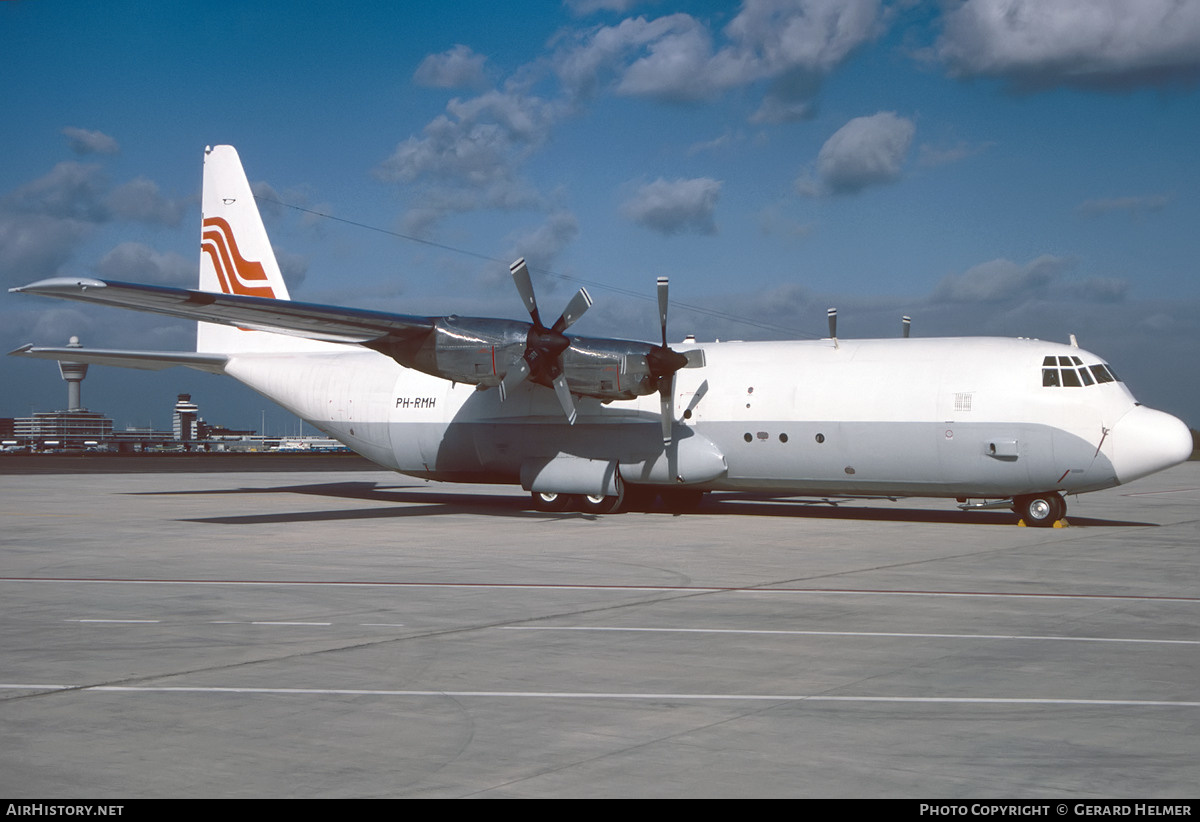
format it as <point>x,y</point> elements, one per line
<point>905,325</point>
<point>832,314</point>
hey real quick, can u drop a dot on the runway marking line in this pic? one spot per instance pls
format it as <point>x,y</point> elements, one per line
<point>516,586</point>
<point>878,634</point>
<point>912,700</point>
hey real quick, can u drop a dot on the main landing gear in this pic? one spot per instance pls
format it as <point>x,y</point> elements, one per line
<point>1040,510</point>
<point>556,503</point>
<point>627,498</point>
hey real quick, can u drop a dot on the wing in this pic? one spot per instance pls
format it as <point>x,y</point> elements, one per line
<point>484,351</point>
<point>318,322</point>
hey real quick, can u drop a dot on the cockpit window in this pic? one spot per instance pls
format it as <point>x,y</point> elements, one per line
<point>1070,372</point>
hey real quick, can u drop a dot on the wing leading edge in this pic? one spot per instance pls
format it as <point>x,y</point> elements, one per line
<point>311,320</point>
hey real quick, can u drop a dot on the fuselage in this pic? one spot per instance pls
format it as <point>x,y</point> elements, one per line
<point>949,417</point>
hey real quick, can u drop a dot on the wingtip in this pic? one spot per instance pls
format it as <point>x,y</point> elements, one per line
<point>59,285</point>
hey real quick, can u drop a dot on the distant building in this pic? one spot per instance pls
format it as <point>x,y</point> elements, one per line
<point>187,415</point>
<point>77,428</point>
<point>64,429</point>
<point>74,428</point>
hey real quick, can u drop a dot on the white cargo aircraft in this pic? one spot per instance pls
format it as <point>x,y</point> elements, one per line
<point>573,419</point>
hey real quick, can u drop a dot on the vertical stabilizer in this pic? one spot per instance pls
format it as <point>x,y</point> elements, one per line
<point>236,256</point>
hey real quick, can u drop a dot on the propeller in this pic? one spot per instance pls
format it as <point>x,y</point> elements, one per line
<point>544,347</point>
<point>662,363</point>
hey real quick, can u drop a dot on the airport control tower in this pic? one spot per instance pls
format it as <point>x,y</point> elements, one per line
<point>73,373</point>
<point>71,429</point>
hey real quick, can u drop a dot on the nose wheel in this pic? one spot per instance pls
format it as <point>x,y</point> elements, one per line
<point>1040,510</point>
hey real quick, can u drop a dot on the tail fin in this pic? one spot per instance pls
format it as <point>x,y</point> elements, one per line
<point>236,256</point>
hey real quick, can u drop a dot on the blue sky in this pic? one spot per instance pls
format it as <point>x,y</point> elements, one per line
<point>987,167</point>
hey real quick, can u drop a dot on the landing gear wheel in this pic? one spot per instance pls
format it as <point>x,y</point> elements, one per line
<point>551,503</point>
<point>1040,510</point>
<point>604,504</point>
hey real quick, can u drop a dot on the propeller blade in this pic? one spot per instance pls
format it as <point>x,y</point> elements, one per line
<point>695,358</point>
<point>580,303</point>
<point>520,275</point>
<point>517,372</point>
<point>666,396</point>
<point>662,307</point>
<point>564,398</point>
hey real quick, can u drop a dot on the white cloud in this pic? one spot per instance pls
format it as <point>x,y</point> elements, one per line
<point>43,222</point>
<point>140,199</point>
<point>1104,44</point>
<point>675,206</point>
<point>459,67</point>
<point>469,158</point>
<point>83,141</point>
<point>1135,206</point>
<point>813,34</point>
<point>679,65</point>
<point>791,43</point>
<point>36,246</point>
<point>589,57</point>
<point>135,262</point>
<point>294,268</point>
<point>866,151</point>
<point>543,244</point>
<point>70,190</point>
<point>585,7</point>
<point>1002,280</point>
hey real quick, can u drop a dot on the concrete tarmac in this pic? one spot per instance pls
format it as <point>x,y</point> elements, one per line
<point>347,634</point>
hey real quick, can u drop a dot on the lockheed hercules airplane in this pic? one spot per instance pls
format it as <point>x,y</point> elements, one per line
<point>574,420</point>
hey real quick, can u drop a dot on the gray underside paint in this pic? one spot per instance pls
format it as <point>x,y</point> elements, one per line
<point>793,457</point>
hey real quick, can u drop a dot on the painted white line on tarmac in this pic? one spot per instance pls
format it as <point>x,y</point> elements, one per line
<point>683,589</point>
<point>602,695</point>
<point>883,634</point>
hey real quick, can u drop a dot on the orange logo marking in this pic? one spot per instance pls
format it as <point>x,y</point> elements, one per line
<point>236,274</point>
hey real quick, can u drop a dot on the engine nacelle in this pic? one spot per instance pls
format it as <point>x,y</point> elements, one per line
<point>480,351</point>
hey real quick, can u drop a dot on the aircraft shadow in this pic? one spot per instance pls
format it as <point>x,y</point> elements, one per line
<point>403,503</point>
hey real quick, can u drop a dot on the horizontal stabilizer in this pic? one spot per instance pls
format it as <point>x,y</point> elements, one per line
<point>146,360</point>
<point>317,322</point>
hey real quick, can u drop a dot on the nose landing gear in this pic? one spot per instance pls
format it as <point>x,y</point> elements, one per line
<point>1040,510</point>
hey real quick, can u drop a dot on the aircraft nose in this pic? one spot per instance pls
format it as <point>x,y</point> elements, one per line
<point>1145,441</point>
